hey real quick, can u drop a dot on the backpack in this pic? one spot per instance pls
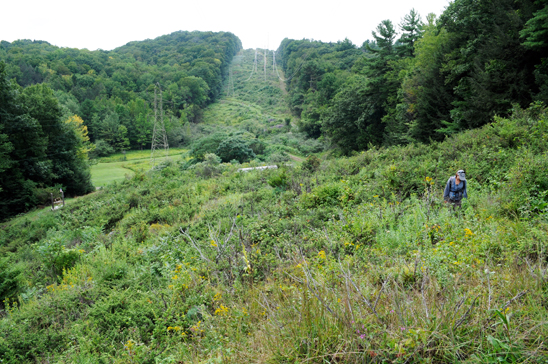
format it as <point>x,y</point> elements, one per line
<point>453,194</point>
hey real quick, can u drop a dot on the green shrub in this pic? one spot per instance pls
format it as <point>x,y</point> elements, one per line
<point>10,276</point>
<point>101,149</point>
<point>55,256</point>
<point>235,148</point>
<point>324,195</point>
<point>279,157</point>
<point>207,144</point>
<point>311,164</point>
<point>278,180</point>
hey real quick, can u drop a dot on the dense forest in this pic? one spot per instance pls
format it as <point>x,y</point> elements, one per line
<point>60,105</point>
<point>451,73</point>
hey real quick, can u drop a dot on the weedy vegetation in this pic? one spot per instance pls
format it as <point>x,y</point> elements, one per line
<point>353,259</point>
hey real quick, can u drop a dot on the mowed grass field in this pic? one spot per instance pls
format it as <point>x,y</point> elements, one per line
<point>103,174</point>
<point>115,168</point>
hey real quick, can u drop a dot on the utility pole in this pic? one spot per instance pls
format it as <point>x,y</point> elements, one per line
<point>159,136</point>
<point>255,63</point>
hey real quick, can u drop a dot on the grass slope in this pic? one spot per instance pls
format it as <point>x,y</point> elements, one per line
<point>354,260</point>
<point>117,167</point>
<point>104,173</point>
<point>254,101</point>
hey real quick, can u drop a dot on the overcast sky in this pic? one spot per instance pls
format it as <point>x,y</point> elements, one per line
<point>107,24</point>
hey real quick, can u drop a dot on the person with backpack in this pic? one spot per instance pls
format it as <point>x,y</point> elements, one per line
<point>455,189</point>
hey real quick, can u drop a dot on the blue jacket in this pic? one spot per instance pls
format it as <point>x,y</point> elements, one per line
<point>453,191</point>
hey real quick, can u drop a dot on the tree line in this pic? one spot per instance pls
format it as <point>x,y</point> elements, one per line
<point>421,80</point>
<point>42,148</point>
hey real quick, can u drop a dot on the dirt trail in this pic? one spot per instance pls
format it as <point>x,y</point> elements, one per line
<point>295,158</point>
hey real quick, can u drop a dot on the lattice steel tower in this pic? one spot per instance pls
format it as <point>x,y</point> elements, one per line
<point>159,136</point>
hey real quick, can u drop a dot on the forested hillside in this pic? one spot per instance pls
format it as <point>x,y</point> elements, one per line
<point>60,106</point>
<point>40,149</point>
<point>421,81</point>
<point>113,91</point>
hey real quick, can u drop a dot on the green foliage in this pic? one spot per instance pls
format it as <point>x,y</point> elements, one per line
<point>346,260</point>
<point>209,167</point>
<point>102,149</point>
<point>235,147</point>
<point>450,74</point>
<point>207,144</point>
<point>350,122</point>
<point>278,180</point>
<point>535,30</point>
<point>40,149</point>
<point>187,263</point>
<point>10,285</point>
<point>311,164</point>
<point>55,256</point>
<point>318,70</point>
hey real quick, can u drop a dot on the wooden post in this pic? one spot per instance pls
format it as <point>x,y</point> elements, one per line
<point>63,197</point>
<point>52,206</point>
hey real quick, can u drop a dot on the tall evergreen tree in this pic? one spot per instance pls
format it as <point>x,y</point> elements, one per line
<point>535,34</point>
<point>412,29</point>
<point>486,66</point>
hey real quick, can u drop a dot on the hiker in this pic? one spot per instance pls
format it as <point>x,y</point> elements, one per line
<point>455,189</point>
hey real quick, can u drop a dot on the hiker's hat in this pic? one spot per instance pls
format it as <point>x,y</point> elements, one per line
<point>462,174</point>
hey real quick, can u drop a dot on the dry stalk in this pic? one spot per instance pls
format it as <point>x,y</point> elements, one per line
<point>489,287</point>
<point>333,355</point>
<point>424,279</point>
<point>516,297</point>
<point>531,269</point>
<point>382,288</point>
<point>270,310</point>
<point>348,278</point>
<point>314,291</point>
<point>465,315</point>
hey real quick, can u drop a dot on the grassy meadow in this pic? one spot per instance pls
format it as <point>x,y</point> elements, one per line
<point>119,166</point>
<point>329,260</point>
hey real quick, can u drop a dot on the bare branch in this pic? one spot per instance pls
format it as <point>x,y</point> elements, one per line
<point>194,245</point>
<point>309,279</point>
<point>382,288</point>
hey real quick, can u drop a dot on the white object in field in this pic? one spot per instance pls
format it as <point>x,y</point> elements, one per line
<point>259,168</point>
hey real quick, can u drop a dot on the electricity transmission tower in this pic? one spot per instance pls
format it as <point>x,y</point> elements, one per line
<point>159,136</point>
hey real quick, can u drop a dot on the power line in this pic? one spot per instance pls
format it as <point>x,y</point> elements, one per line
<point>298,68</point>
<point>254,66</point>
